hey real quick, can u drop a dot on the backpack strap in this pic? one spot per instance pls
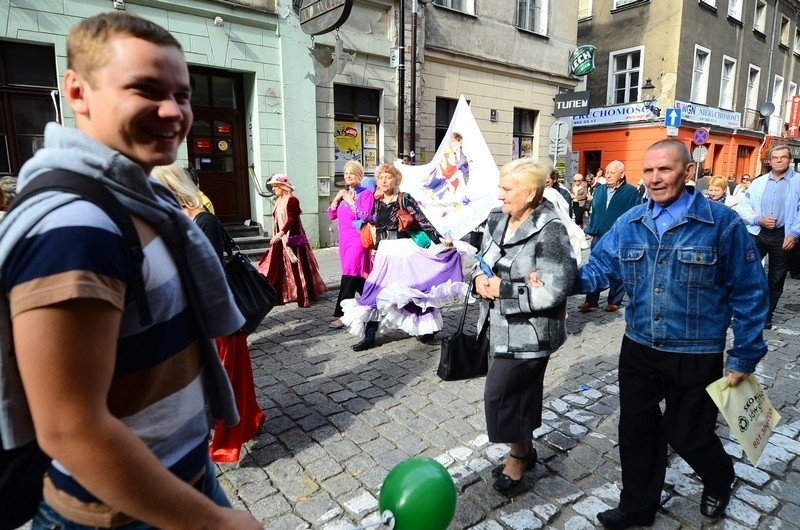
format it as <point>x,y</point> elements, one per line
<point>94,191</point>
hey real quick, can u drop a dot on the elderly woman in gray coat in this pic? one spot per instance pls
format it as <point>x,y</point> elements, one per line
<point>526,316</point>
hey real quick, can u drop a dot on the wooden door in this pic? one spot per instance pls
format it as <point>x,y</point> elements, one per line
<point>217,142</point>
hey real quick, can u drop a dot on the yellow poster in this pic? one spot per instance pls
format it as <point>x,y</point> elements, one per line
<point>347,143</point>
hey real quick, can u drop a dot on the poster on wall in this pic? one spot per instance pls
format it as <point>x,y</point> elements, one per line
<point>515,148</point>
<point>370,135</point>
<point>347,143</point>
<point>458,188</point>
<point>526,147</point>
<point>370,160</point>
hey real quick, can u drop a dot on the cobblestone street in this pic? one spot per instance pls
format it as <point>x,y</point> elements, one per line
<point>338,421</point>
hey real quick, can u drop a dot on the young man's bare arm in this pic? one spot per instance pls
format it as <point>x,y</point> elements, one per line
<point>66,356</point>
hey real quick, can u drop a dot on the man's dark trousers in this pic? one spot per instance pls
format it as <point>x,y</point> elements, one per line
<point>646,377</point>
<point>769,242</point>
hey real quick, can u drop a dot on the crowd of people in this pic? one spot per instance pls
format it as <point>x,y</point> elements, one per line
<point>133,438</point>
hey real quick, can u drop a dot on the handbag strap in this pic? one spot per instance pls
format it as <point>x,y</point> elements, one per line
<point>463,313</point>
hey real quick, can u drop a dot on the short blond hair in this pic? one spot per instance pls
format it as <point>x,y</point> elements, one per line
<point>354,166</point>
<point>87,42</point>
<point>718,181</point>
<point>175,178</point>
<point>389,168</point>
<point>529,173</point>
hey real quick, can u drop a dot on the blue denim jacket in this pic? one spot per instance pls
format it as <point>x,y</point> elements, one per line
<point>687,288</point>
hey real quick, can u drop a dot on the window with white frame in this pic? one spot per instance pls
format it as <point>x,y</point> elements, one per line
<point>702,58</point>
<point>727,82</point>
<point>760,16</point>
<point>753,86</point>
<point>620,3</point>
<point>786,29</point>
<point>735,9</point>
<point>532,15</point>
<point>584,9</point>
<point>787,115</point>
<point>465,6</point>
<point>712,3</point>
<point>775,122</point>
<point>797,40</point>
<point>624,75</point>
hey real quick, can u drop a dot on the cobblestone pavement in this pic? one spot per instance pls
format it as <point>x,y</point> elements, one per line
<point>338,421</point>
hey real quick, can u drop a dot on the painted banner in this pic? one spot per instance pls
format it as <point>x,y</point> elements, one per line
<point>794,118</point>
<point>458,188</point>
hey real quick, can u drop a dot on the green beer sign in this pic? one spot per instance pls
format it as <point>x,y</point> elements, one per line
<point>581,61</point>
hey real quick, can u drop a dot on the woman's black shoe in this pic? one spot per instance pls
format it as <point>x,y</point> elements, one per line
<point>504,483</point>
<point>363,345</point>
<point>532,457</point>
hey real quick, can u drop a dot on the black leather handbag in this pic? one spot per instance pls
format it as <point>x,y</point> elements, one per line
<point>464,356</point>
<point>253,294</point>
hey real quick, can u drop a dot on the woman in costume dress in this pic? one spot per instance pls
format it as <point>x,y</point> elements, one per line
<point>524,274</point>
<point>289,264</point>
<point>351,207</point>
<point>226,443</point>
<point>408,283</point>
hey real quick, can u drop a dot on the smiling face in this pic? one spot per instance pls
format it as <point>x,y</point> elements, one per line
<point>665,173</point>
<point>351,178</point>
<point>137,103</point>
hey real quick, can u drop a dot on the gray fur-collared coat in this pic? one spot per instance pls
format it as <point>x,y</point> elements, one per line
<point>527,322</point>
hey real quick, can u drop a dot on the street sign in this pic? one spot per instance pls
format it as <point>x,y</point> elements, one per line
<point>559,130</point>
<point>672,131</point>
<point>563,148</point>
<point>700,137</point>
<point>699,153</point>
<point>672,118</point>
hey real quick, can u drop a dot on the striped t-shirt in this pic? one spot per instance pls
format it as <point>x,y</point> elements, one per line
<point>76,251</point>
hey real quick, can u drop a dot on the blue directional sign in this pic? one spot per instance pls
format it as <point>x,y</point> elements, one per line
<point>673,118</point>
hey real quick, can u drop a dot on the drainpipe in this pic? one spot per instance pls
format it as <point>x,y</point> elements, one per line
<point>401,81</point>
<point>770,82</point>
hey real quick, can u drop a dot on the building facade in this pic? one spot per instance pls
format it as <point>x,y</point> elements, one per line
<point>719,64</point>
<point>509,60</point>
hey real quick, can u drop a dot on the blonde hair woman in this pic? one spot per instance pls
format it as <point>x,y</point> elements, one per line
<point>226,443</point>
<point>351,207</point>
<point>527,320</point>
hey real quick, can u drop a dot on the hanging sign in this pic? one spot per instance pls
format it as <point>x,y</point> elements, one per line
<point>322,16</point>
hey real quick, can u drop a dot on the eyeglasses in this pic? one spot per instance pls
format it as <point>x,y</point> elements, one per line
<point>782,157</point>
<point>745,179</point>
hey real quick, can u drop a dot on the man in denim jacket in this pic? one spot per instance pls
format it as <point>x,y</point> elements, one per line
<point>690,270</point>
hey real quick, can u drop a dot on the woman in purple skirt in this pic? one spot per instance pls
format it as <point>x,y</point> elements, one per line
<point>351,207</point>
<point>415,271</point>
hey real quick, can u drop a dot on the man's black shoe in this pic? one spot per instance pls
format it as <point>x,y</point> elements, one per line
<point>713,505</point>
<point>616,519</point>
<point>363,345</point>
<point>795,276</point>
<point>768,324</point>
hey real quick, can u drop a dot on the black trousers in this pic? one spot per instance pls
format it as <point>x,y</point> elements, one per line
<point>350,286</point>
<point>579,212</point>
<point>770,243</point>
<point>646,378</point>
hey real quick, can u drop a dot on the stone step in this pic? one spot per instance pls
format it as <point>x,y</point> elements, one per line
<point>250,240</point>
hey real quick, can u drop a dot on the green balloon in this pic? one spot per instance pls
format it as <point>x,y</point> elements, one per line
<point>420,494</point>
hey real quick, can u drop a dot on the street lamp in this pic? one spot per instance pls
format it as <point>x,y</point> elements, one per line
<point>649,99</point>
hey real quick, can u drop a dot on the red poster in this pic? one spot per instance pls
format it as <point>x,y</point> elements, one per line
<point>202,146</point>
<point>794,118</point>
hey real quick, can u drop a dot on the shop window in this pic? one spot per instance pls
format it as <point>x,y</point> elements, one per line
<point>624,76</point>
<point>355,130</point>
<point>27,102</point>
<point>524,128</point>
<point>445,108</point>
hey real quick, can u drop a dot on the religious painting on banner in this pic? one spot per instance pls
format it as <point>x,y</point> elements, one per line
<point>458,188</point>
<point>793,130</point>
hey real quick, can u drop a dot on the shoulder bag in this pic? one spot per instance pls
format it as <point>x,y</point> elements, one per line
<point>253,294</point>
<point>464,356</point>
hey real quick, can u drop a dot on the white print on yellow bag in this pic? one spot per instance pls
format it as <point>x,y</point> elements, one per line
<point>748,412</point>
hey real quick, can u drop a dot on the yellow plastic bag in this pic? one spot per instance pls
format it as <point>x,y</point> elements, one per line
<point>748,411</point>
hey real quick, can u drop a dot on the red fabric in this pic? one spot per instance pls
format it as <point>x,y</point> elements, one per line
<point>226,444</point>
<point>299,281</point>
